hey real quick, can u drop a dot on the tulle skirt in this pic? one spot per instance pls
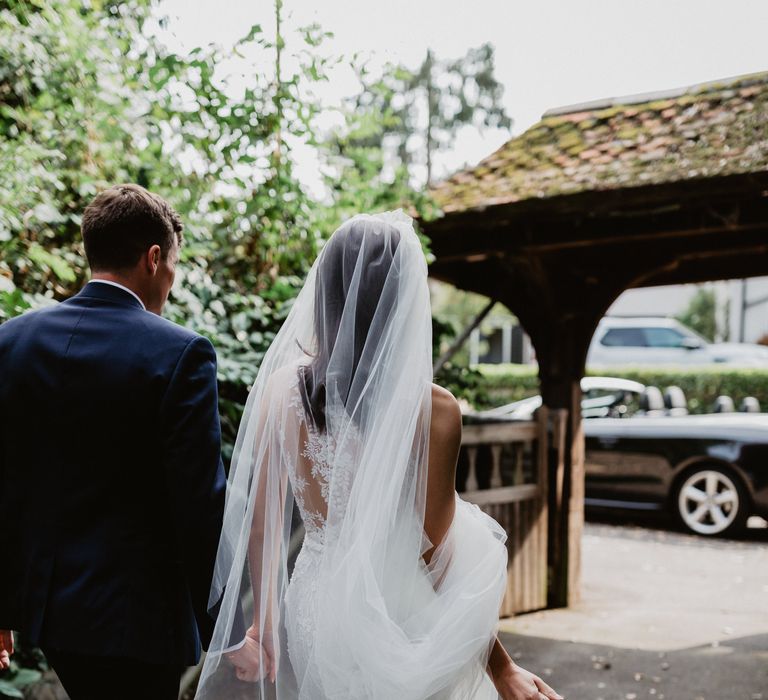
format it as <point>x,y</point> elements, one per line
<point>473,579</point>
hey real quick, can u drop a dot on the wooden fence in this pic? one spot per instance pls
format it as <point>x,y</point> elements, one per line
<point>503,468</point>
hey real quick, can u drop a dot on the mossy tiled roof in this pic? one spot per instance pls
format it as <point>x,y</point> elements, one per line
<point>707,130</point>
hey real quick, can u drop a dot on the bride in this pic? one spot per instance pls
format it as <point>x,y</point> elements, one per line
<point>396,589</point>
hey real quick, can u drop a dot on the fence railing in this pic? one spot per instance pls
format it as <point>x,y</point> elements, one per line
<point>503,469</point>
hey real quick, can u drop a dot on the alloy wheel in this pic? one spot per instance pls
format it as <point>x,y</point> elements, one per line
<point>709,502</point>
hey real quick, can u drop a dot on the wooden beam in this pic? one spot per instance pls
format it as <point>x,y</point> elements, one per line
<point>502,433</point>
<point>554,235</point>
<point>628,202</point>
<point>505,494</point>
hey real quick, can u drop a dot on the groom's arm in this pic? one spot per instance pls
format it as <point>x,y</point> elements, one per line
<point>193,469</point>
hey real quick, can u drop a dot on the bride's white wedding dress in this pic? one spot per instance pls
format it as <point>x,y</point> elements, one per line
<point>338,422</point>
<point>311,480</point>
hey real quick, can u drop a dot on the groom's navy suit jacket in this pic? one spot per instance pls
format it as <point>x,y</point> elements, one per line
<point>111,483</point>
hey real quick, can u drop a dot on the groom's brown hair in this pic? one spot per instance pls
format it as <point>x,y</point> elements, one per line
<point>123,222</point>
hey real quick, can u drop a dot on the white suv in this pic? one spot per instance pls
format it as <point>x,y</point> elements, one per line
<point>657,341</point>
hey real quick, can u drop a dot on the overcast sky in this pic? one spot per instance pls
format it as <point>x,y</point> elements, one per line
<point>549,53</point>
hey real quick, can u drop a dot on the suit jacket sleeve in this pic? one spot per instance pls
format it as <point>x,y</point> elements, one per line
<point>193,470</point>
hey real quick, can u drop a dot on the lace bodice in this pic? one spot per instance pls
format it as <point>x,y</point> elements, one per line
<point>321,477</point>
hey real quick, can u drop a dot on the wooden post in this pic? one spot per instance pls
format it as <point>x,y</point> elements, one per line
<point>542,478</point>
<point>557,556</point>
<point>471,483</point>
<point>576,500</point>
<point>496,482</point>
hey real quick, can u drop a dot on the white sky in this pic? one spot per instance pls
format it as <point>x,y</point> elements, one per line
<point>548,52</point>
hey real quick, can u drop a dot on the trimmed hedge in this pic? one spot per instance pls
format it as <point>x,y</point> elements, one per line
<point>701,385</point>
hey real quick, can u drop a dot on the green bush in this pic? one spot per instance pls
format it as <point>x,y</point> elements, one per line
<point>701,385</point>
<point>506,383</point>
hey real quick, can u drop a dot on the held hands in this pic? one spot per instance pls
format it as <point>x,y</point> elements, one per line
<point>256,659</point>
<point>6,648</point>
<point>515,683</point>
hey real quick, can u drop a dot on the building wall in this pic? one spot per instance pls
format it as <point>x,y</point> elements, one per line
<point>755,315</point>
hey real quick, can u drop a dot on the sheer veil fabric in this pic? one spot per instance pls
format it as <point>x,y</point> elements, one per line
<point>337,424</point>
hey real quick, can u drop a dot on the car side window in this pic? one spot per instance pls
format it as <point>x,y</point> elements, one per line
<point>663,338</point>
<point>624,337</point>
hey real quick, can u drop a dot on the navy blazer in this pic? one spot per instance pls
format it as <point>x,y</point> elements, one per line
<point>111,482</point>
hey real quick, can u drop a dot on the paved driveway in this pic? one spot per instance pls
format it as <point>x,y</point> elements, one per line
<point>663,615</point>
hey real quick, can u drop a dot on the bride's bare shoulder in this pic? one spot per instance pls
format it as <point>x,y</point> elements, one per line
<point>444,446</point>
<point>446,414</point>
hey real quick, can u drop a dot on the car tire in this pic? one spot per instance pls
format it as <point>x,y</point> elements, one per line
<point>711,500</point>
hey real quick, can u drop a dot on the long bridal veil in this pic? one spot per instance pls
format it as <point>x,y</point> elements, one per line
<point>337,423</point>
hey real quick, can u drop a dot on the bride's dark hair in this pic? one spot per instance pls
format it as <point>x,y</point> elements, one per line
<point>370,248</point>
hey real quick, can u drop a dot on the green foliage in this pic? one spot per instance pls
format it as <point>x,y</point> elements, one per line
<point>89,100</point>
<point>463,381</point>
<point>67,127</point>
<point>507,383</point>
<point>701,314</point>
<point>701,385</point>
<point>360,175</point>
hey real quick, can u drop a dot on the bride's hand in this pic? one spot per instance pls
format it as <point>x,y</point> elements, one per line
<point>515,683</point>
<point>254,660</point>
<point>6,648</point>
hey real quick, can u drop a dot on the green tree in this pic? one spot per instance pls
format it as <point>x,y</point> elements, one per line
<point>66,127</point>
<point>373,155</point>
<point>415,113</point>
<point>90,99</point>
<point>701,314</point>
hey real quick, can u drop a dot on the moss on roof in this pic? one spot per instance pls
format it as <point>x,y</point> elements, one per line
<point>713,129</point>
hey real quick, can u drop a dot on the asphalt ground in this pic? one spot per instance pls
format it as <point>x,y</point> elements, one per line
<point>662,614</point>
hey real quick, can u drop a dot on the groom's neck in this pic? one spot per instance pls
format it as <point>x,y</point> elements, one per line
<point>127,280</point>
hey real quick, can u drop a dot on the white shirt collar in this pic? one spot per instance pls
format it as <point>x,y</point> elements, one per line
<point>124,288</point>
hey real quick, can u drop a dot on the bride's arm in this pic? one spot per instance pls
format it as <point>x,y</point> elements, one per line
<point>444,445</point>
<point>512,681</point>
<point>258,657</point>
<point>265,546</point>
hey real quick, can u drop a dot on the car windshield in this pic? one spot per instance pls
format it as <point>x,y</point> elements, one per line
<point>602,402</point>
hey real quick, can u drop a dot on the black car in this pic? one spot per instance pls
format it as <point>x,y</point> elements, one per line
<point>645,452</point>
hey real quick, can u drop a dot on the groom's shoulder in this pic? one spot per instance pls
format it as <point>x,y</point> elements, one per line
<point>165,327</point>
<point>173,333</point>
<point>18,324</point>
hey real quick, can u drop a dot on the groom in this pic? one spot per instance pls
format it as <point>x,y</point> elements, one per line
<point>111,483</point>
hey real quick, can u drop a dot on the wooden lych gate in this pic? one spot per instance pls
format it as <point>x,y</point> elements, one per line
<point>594,199</point>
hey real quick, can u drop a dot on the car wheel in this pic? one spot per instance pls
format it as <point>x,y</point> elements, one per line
<point>711,501</point>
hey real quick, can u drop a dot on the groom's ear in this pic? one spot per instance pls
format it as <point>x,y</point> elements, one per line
<point>152,259</point>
